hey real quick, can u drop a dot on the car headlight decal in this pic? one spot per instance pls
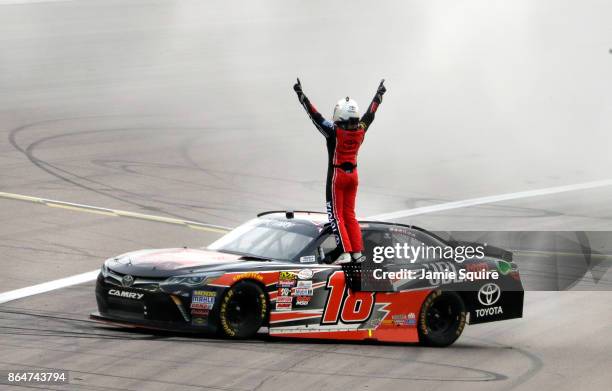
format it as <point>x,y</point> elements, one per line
<point>191,280</point>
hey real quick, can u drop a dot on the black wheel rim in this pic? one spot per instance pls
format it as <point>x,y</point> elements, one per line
<point>242,308</point>
<point>442,316</point>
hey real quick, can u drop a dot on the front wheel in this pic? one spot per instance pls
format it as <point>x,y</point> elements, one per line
<point>442,319</point>
<point>243,310</point>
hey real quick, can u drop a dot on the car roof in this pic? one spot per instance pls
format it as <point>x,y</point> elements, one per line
<point>298,216</point>
<point>321,219</point>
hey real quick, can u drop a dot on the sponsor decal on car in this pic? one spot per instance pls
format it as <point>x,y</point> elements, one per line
<point>488,294</point>
<point>198,321</point>
<point>404,319</point>
<point>207,306</point>
<point>126,294</point>
<point>286,279</point>
<point>308,259</point>
<point>277,223</point>
<point>253,275</point>
<point>411,318</point>
<point>304,284</point>
<point>205,293</point>
<point>302,292</point>
<point>286,283</point>
<point>203,299</point>
<point>403,231</point>
<point>202,306</point>
<point>200,312</point>
<point>305,274</point>
<point>303,300</point>
<point>284,291</point>
<point>283,306</point>
<point>284,299</point>
<point>497,310</point>
<point>505,267</point>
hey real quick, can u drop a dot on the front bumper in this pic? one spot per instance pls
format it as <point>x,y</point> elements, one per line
<point>148,307</point>
<point>149,324</point>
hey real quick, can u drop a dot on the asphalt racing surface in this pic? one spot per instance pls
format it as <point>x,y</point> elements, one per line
<point>184,111</point>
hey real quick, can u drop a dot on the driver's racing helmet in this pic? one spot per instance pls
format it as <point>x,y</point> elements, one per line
<point>346,113</point>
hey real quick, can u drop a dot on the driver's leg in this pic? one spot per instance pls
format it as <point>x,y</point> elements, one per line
<point>336,214</point>
<point>350,220</point>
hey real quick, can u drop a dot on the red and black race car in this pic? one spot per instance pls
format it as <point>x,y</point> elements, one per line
<point>273,273</point>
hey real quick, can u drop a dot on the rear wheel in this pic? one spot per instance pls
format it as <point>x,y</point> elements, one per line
<point>243,310</point>
<point>442,318</point>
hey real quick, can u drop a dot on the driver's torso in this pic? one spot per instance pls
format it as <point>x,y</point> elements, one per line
<point>343,147</point>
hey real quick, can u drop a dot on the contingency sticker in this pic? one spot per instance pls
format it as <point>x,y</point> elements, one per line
<point>283,306</point>
<point>302,300</point>
<point>304,284</point>
<point>199,321</point>
<point>284,299</point>
<point>302,292</point>
<point>203,299</point>
<point>404,319</point>
<point>305,274</point>
<point>284,291</point>
<point>308,259</point>
<point>286,279</point>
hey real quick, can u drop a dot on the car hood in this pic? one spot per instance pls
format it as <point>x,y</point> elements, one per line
<point>175,261</point>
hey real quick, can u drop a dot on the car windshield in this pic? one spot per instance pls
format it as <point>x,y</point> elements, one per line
<point>267,238</point>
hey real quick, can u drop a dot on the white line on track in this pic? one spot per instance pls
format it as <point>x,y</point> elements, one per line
<point>490,200</point>
<point>48,286</point>
<point>115,212</point>
<point>17,2</point>
<point>92,275</point>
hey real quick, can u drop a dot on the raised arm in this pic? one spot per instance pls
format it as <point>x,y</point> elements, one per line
<point>325,127</point>
<point>368,116</point>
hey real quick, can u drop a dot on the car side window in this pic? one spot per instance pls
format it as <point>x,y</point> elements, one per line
<point>401,241</point>
<point>407,243</point>
<point>327,248</point>
<point>374,238</point>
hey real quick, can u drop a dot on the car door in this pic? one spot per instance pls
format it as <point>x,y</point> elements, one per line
<point>315,297</point>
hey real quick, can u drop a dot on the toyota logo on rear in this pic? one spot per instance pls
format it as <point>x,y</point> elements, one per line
<point>127,280</point>
<point>489,294</point>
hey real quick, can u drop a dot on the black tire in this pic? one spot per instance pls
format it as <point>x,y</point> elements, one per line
<point>442,319</point>
<point>244,309</point>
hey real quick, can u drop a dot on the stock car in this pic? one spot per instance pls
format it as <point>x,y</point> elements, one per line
<point>275,274</point>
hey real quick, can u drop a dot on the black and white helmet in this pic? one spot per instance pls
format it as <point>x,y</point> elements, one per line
<point>346,111</point>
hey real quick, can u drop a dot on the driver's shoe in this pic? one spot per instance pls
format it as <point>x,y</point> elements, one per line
<point>359,259</point>
<point>343,258</point>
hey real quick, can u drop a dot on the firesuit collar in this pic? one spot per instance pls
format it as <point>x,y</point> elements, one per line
<point>350,124</point>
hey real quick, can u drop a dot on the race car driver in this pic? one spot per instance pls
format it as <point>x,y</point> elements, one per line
<point>344,137</point>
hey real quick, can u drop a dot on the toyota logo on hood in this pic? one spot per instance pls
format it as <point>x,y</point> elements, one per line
<point>488,294</point>
<point>127,281</point>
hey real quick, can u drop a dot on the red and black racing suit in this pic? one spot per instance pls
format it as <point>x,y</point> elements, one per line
<point>342,179</point>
